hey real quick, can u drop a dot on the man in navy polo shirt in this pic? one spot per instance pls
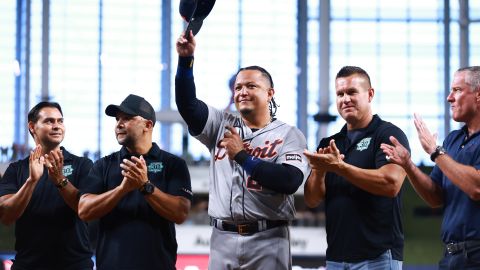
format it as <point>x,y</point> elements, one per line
<point>138,193</point>
<point>39,194</point>
<point>454,182</point>
<point>360,188</point>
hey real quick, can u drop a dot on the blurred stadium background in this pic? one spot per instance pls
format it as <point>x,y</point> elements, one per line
<point>91,53</point>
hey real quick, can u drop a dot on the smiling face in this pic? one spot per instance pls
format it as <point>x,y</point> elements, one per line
<point>48,130</point>
<point>464,101</point>
<point>252,93</point>
<point>354,96</point>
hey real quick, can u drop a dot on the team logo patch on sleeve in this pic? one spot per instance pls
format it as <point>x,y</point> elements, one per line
<point>293,157</point>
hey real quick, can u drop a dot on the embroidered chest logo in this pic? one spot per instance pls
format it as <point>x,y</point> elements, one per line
<point>155,167</point>
<point>67,170</point>
<point>363,144</point>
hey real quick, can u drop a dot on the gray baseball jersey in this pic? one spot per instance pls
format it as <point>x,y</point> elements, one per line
<point>234,195</point>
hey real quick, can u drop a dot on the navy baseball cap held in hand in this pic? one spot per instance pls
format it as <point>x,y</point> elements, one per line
<point>194,12</point>
<point>133,105</point>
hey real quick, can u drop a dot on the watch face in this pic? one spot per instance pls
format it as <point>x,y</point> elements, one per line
<point>438,151</point>
<point>148,188</point>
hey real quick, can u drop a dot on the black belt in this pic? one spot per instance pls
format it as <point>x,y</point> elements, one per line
<point>247,227</point>
<point>453,248</point>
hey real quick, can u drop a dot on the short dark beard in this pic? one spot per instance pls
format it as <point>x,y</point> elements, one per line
<point>245,112</point>
<point>127,141</point>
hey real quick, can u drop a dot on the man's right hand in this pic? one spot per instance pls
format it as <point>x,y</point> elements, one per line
<point>36,163</point>
<point>396,153</point>
<point>186,45</point>
<point>325,159</point>
<point>427,139</point>
<point>135,173</point>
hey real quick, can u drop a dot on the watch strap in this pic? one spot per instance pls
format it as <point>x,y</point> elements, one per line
<point>147,188</point>
<point>439,150</point>
<point>63,183</point>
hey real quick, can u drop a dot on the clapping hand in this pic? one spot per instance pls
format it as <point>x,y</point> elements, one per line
<point>327,159</point>
<point>54,163</point>
<point>36,163</point>
<point>134,173</point>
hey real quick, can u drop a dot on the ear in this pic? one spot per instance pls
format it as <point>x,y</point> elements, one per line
<point>371,93</point>
<point>31,127</point>
<point>271,93</point>
<point>148,124</point>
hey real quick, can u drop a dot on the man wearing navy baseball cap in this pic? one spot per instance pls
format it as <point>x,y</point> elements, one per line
<point>133,105</point>
<point>137,193</point>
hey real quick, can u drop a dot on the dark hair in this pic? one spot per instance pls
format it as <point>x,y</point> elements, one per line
<point>347,71</point>
<point>473,76</point>
<point>33,113</point>
<point>272,106</point>
<point>262,70</point>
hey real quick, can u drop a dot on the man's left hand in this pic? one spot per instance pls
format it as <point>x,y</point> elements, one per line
<point>232,142</point>
<point>54,163</point>
<point>135,172</point>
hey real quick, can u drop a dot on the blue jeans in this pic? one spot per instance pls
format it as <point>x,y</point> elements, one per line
<point>383,262</point>
<point>468,259</point>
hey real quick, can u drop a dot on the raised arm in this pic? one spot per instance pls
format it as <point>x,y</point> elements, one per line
<point>69,193</point>
<point>314,189</point>
<point>192,110</point>
<point>173,208</point>
<point>430,192</point>
<point>94,206</point>
<point>384,181</point>
<point>12,206</point>
<point>467,178</point>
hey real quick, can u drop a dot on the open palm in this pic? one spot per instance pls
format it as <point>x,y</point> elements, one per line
<point>36,163</point>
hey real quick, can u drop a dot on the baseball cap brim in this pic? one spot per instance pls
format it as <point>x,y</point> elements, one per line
<point>112,110</point>
<point>194,25</point>
<point>195,13</point>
